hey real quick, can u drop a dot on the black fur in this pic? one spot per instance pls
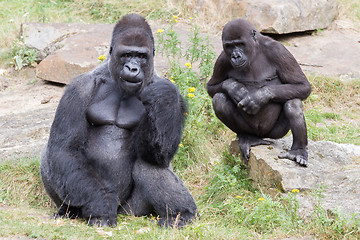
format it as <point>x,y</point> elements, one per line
<point>114,136</point>
<point>257,87</point>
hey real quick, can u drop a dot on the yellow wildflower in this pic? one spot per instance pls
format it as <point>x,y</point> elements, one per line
<point>188,65</point>
<point>238,197</point>
<point>261,199</point>
<point>102,57</point>
<point>191,95</point>
<point>185,113</point>
<point>295,190</point>
<point>190,18</point>
<point>159,30</point>
<point>181,145</point>
<point>191,89</point>
<point>175,17</point>
<point>172,79</point>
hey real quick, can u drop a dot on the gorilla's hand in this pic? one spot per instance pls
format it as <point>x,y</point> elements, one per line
<point>235,90</point>
<point>255,100</point>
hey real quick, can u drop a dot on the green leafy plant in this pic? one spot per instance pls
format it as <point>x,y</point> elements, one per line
<point>182,57</point>
<point>23,56</point>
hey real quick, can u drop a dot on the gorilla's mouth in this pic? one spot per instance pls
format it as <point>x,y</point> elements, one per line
<point>133,83</point>
<point>132,80</point>
<point>239,64</point>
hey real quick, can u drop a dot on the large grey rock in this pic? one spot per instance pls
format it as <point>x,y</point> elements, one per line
<point>47,38</point>
<point>273,16</point>
<point>334,166</point>
<point>79,54</point>
<point>67,50</point>
<point>279,16</point>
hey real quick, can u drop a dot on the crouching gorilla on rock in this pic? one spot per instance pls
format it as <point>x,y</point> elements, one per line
<point>257,87</point>
<point>115,131</point>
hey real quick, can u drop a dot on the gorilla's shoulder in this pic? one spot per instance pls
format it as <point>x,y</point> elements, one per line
<point>164,85</point>
<point>160,88</point>
<point>85,83</point>
<point>271,45</point>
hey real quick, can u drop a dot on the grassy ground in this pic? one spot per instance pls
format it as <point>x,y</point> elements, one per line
<point>229,207</point>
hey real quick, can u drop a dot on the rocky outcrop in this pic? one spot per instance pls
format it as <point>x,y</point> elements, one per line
<point>273,16</point>
<point>334,167</point>
<point>47,38</point>
<point>278,16</point>
<point>67,50</point>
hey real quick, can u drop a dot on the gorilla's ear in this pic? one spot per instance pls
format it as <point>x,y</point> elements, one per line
<point>254,34</point>
<point>110,51</point>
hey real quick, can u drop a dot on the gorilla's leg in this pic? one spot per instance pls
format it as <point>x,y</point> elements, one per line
<point>88,195</point>
<point>229,114</point>
<point>97,198</point>
<point>45,177</point>
<point>137,204</point>
<point>159,189</point>
<point>295,117</point>
<point>68,211</point>
<point>246,141</point>
<point>226,111</point>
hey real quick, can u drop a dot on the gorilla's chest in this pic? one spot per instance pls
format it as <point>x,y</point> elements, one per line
<point>263,75</point>
<point>123,113</point>
<point>108,143</point>
<point>112,121</point>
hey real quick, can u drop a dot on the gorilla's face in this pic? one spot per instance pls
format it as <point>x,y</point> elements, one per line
<point>236,51</point>
<point>131,66</point>
<point>239,43</point>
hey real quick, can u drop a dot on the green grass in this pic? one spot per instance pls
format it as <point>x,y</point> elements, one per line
<point>229,206</point>
<point>332,110</point>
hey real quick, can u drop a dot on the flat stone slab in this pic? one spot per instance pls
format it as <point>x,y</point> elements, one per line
<point>333,166</point>
<point>334,52</point>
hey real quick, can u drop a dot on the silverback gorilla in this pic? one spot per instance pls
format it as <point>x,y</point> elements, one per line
<point>257,87</point>
<point>115,131</point>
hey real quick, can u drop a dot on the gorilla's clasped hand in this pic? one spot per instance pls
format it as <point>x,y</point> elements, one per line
<point>235,90</point>
<point>255,100</point>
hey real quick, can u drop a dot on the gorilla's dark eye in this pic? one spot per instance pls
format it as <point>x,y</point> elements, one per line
<point>229,45</point>
<point>143,56</point>
<point>241,45</point>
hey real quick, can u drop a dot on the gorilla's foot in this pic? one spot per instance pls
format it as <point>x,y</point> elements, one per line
<point>298,155</point>
<point>66,211</point>
<point>177,221</point>
<point>102,221</point>
<point>246,141</point>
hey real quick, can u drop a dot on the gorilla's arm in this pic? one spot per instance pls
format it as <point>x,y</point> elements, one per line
<point>158,135</point>
<point>65,150</point>
<point>295,83</point>
<point>220,82</point>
